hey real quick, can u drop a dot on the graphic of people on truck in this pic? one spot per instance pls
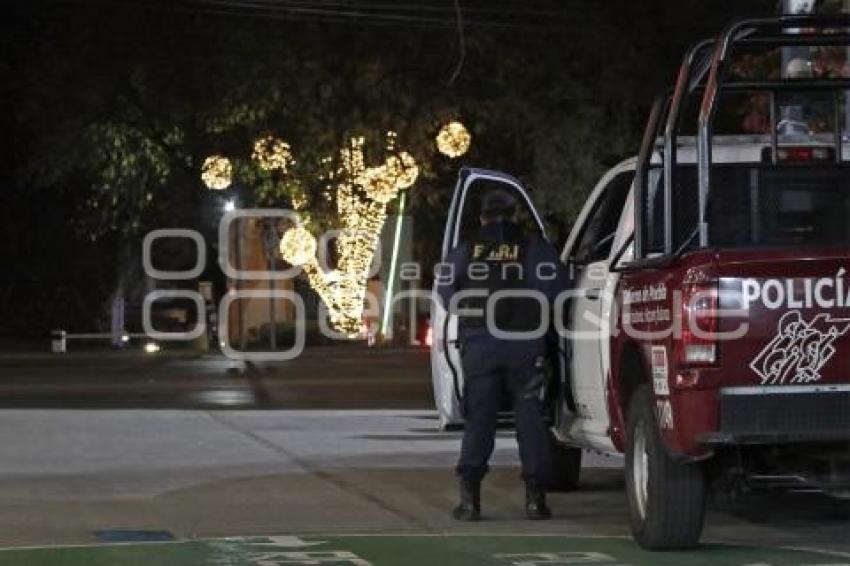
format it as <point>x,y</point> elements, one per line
<point>800,349</point>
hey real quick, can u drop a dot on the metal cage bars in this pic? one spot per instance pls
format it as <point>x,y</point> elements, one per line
<point>708,74</point>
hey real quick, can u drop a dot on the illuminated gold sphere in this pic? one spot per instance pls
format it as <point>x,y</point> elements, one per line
<point>217,172</point>
<point>298,246</point>
<point>454,140</point>
<point>272,153</point>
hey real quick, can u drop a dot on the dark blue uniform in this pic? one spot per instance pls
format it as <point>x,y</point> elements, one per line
<point>492,365</point>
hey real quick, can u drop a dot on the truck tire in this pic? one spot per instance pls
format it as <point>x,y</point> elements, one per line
<point>566,463</point>
<point>667,498</point>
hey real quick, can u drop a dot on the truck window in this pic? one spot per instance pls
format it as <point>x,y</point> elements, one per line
<point>765,205</point>
<point>780,206</point>
<point>599,230</point>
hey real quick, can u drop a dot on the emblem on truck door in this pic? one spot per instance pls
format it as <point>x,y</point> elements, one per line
<point>800,349</point>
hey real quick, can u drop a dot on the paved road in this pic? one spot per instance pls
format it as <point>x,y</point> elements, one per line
<point>306,463</point>
<point>342,377</point>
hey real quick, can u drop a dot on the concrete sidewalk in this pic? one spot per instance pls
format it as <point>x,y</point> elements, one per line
<point>66,474</point>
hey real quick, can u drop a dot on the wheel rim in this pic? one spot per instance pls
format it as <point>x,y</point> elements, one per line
<point>640,469</point>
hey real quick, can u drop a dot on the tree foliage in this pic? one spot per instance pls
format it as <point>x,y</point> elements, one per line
<point>115,105</point>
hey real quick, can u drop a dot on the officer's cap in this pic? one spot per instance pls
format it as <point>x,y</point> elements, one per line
<point>497,202</point>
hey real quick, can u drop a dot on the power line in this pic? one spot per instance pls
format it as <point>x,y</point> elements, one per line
<point>365,14</point>
<point>462,43</point>
<point>407,7</point>
<point>340,15</point>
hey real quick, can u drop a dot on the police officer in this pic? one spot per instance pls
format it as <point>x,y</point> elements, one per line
<point>500,257</point>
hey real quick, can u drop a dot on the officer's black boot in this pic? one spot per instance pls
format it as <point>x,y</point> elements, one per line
<point>535,503</point>
<point>469,508</point>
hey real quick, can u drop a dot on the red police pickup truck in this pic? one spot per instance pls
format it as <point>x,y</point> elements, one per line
<point>730,352</point>
<point>708,335</point>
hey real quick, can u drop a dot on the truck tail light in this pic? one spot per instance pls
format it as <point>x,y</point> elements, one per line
<point>793,154</point>
<point>699,324</point>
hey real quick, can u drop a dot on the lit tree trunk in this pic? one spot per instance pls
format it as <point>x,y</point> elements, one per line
<point>362,196</point>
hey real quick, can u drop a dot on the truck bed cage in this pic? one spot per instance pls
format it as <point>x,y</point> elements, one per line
<point>704,72</point>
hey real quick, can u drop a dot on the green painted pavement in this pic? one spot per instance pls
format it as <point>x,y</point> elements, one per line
<point>423,550</point>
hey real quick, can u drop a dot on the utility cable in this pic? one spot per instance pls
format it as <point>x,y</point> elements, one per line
<point>461,42</point>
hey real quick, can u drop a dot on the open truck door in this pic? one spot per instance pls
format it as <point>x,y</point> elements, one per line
<point>596,243</point>
<point>462,222</point>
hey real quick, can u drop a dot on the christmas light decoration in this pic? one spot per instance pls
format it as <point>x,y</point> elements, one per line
<point>453,140</point>
<point>217,172</point>
<point>384,182</point>
<point>299,201</point>
<point>403,169</point>
<point>362,194</point>
<point>298,246</point>
<point>272,153</point>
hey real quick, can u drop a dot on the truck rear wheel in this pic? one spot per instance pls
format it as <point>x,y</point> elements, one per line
<point>566,461</point>
<point>667,498</point>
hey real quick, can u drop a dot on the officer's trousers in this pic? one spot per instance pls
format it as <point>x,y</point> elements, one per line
<point>492,367</point>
